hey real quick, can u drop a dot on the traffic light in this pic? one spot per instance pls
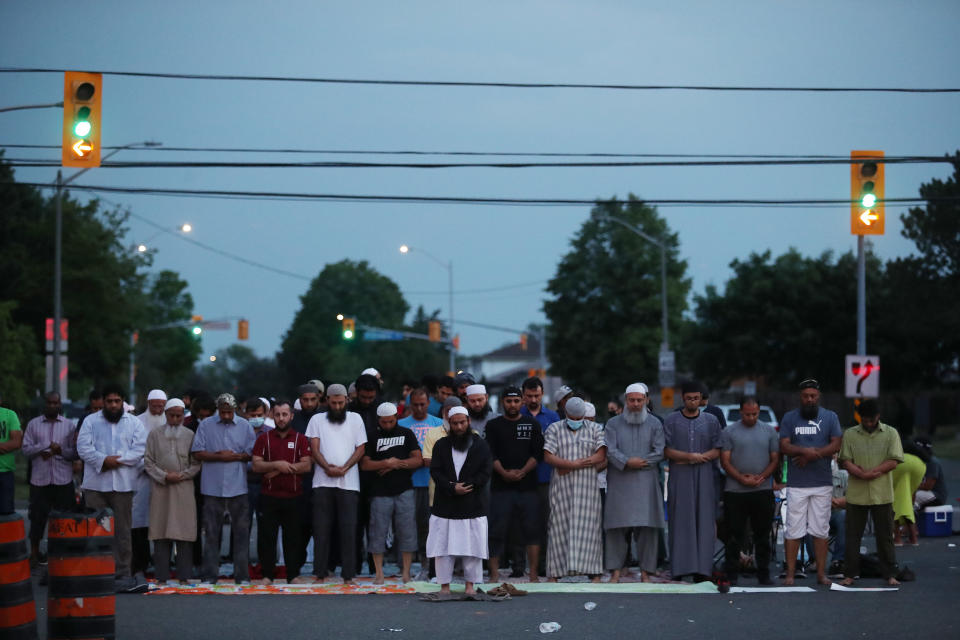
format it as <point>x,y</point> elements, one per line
<point>82,93</point>
<point>456,342</point>
<point>349,328</point>
<point>243,329</point>
<point>866,193</point>
<point>196,329</point>
<point>523,342</point>
<point>434,332</point>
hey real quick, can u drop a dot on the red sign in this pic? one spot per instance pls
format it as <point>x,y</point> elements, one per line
<point>64,324</point>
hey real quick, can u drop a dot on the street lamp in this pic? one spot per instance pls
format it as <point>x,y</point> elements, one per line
<point>405,249</point>
<point>665,346</point>
<point>58,256</point>
<point>142,247</point>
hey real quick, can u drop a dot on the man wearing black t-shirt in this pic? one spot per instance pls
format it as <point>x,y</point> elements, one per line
<point>516,445</point>
<point>392,456</point>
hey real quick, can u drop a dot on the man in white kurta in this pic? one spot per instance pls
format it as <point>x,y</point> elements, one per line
<point>152,418</point>
<point>173,509</point>
<point>575,448</point>
<point>460,466</point>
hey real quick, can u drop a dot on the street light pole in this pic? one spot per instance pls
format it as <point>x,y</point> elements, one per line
<point>449,267</point>
<point>665,346</point>
<point>58,258</point>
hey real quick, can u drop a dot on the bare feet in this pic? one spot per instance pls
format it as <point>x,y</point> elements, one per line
<point>893,582</point>
<point>644,576</point>
<point>307,579</point>
<point>615,576</point>
<point>788,581</point>
<point>847,582</point>
<point>350,582</point>
<point>824,580</point>
<point>551,579</point>
<point>376,580</point>
<point>595,579</point>
<point>263,581</point>
<point>534,578</point>
<point>405,577</point>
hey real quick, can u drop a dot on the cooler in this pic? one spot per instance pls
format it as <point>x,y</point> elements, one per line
<point>936,521</point>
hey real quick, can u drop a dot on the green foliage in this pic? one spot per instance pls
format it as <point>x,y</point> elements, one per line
<point>20,363</point>
<point>605,314</point>
<point>313,347</point>
<point>239,371</point>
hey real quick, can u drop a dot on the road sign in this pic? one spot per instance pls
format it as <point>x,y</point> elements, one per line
<point>382,335</point>
<point>668,368</point>
<point>666,397</point>
<point>862,375</point>
<point>64,334</point>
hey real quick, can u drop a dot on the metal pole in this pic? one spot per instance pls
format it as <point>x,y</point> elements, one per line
<point>663,283</point>
<point>861,298</point>
<point>133,367</point>
<point>57,278</point>
<point>543,348</point>
<point>453,354</point>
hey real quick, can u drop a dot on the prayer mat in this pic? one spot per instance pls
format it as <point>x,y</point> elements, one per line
<point>363,587</point>
<point>586,587</point>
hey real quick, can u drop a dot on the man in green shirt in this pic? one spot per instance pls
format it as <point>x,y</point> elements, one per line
<point>870,452</point>
<point>10,438</point>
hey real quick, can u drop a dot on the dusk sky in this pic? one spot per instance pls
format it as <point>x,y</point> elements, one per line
<point>759,43</point>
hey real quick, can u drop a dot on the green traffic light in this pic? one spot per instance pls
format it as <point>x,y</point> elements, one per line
<point>868,200</point>
<point>348,335</point>
<point>82,125</point>
<point>197,330</point>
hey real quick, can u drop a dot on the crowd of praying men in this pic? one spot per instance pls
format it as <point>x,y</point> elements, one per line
<point>440,478</point>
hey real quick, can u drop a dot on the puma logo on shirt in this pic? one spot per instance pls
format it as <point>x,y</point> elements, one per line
<point>812,429</point>
<point>383,444</point>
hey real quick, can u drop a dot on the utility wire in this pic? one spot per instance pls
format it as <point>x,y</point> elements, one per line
<point>274,195</point>
<point>24,163</point>
<point>499,84</point>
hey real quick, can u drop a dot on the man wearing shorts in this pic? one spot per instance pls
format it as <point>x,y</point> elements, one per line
<point>809,436</point>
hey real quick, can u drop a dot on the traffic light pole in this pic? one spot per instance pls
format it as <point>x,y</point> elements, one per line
<point>861,297</point>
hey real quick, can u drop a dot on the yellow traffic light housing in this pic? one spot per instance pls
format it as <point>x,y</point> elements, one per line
<point>523,342</point>
<point>243,330</point>
<point>349,328</point>
<point>434,332</point>
<point>866,193</point>
<point>82,94</point>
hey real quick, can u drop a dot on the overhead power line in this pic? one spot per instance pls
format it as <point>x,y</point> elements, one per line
<point>181,164</point>
<point>398,199</point>
<point>496,84</point>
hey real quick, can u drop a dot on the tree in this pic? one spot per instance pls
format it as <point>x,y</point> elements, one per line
<point>239,371</point>
<point>20,364</point>
<point>165,356</point>
<point>605,314</point>
<point>314,347</point>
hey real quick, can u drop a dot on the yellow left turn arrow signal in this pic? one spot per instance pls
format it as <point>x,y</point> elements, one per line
<point>82,147</point>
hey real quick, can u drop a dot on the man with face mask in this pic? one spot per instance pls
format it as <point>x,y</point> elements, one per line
<point>635,444</point>
<point>111,444</point>
<point>152,418</point>
<point>809,436</point>
<point>48,442</point>
<point>255,414</point>
<point>575,448</point>
<point>460,467</point>
<point>173,511</point>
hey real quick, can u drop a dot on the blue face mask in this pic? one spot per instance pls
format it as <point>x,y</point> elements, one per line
<point>574,424</point>
<point>256,423</point>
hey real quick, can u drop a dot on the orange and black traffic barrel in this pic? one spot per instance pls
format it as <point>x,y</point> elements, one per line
<point>18,613</point>
<point>81,601</point>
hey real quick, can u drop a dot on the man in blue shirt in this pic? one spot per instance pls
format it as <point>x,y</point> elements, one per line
<point>224,444</point>
<point>809,436</point>
<point>533,408</point>
<point>420,422</point>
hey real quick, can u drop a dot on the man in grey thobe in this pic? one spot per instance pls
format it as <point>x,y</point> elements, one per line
<point>634,506</point>
<point>692,442</point>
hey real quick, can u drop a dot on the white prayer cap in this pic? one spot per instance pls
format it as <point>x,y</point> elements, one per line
<point>318,385</point>
<point>296,405</point>
<point>174,402</point>
<point>476,389</point>
<point>157,394</point>
<point>575,408</point>
<point>266,403</point>
<point>387,409</point>
<point>591,410</point>
<point>561,393</point>
<point>336,390</point>
<point>370,371</point>
<point>637,387</point>
<point>226,400</point>
<point>457,411</point>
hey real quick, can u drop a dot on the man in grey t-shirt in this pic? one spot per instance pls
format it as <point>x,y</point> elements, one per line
<point>750,455</point>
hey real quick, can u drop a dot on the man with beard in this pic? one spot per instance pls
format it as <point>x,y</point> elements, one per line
<point>309,397</point>
<point>392,457</point>
<point>575,447</point>
<point>634,507</point>
<point>460,383</point>
<point>870,452</point>
<point>460,467</point>
<point>809,436</point>
<point>111,444</point>
<point>516,446</point>
<point>533,407</point>
<point>173,511</point>
<point>365,405</point>
<point>224,444</point>
<point>282,455</point>
<point>152,418</point>
<point>692,443</point>
<point>50,446</point>
<point>751,453</point>
<point>337,443</point>
<point>478,406</point>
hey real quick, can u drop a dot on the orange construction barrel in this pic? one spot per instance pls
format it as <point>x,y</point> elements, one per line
<point>18,613</point>
<point>81,601</point>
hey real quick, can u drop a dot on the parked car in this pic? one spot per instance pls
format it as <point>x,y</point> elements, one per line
<point>732,413</point>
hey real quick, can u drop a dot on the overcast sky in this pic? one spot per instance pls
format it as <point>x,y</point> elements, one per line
<point>827,43</point>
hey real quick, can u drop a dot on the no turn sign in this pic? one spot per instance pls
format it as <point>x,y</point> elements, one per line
<point>862,376</point>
